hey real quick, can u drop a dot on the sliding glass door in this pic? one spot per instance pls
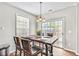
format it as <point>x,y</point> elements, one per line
<point>56,27</point>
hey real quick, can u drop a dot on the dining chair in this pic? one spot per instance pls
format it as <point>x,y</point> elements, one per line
<point>18,45</point>
<point>50,34</point>
<point>30,50</point>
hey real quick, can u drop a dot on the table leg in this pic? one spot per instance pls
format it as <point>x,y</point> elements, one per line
<point>51,52</point>
<point>46,49</point>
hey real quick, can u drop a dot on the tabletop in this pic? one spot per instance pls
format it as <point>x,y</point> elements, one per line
<point>45,40</point>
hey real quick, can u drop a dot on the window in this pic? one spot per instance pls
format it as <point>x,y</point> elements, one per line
<point>22,26</point>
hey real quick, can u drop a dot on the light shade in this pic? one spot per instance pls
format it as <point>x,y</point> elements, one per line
<point>40,20</point>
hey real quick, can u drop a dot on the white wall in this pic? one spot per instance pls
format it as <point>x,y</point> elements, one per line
<point>69,15</point>
<point>78,28</point>
<point>7,20</point>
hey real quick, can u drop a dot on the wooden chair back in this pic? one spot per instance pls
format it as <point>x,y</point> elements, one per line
<point>17,42</point>
<point>26,46</point>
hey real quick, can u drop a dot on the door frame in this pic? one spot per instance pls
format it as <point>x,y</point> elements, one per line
<point>64,28</point>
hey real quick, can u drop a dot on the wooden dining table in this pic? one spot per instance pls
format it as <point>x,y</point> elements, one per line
<point>44,40</point>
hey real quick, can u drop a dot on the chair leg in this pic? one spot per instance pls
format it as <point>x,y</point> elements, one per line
<point>41,54</point>
<point>16,52</point>
<point>0,52</point>
<point>20,52</point>
<point>24,53</point>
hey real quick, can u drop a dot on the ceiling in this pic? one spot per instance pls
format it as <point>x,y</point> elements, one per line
<point>47,7</point>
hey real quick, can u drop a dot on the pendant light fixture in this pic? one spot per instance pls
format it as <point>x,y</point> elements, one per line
<point>40,19</point>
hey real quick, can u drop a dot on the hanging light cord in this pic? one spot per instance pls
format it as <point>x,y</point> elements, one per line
<point>40,9</point>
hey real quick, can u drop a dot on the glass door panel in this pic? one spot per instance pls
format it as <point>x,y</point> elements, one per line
<point>55,27</point>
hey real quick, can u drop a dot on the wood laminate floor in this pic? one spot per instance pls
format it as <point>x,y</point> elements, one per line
<point>57,52</point>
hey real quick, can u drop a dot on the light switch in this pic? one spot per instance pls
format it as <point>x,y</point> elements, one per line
<point>2,28</point>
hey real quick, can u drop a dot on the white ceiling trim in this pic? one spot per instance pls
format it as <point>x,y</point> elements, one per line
<point>34,7</point>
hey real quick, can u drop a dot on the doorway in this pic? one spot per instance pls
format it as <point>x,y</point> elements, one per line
<point>56,27</point>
